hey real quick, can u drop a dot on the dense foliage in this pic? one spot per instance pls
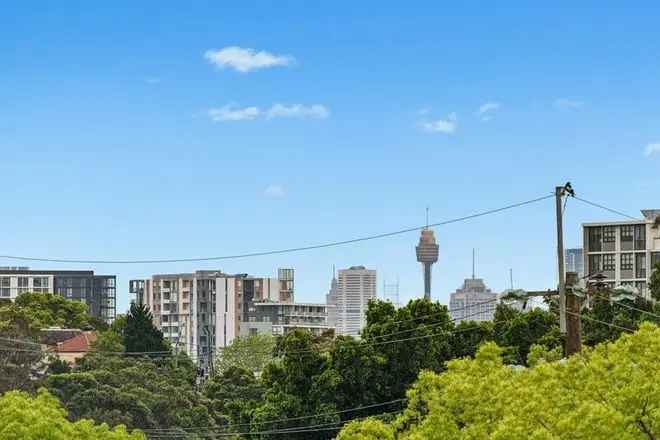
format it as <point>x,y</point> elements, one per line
<point>31,312</point>
<point>41,417</point>
<point>138,393</point>
<point>611,391</point>
<point>250,353</point>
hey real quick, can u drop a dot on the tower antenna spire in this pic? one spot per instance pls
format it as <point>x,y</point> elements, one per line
<point>427,218</point>
<point>473,263</point>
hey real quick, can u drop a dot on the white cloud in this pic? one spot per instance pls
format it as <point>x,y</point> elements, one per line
<point>424,111</point>
<point>275,191</point>
<point>447,126</point>
<point>565,103</point>
<point>244,59</point>
<point>231,113</point>
<point>297,111</point>
<point>652,149</point>
<point>486,110</point>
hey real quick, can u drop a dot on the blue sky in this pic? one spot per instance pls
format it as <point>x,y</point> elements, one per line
<point>115,143</point>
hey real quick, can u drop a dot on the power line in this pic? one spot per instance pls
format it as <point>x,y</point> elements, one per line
<point>589,318</point>
<point>280,251</point>
<point>629,307</point>
<point>290,419</point>
<point>597,205</point>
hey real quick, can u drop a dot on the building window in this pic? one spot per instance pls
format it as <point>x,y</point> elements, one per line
<point>22,282</point>
<point>609,234</point>
<point>5,281</point>
<point>626,233</point>
<point>5,292</point>
<point>641,287</point>
<point>595,239</point>
<point>640,265</point>
<point>627,261</point>
<point>640,237</point>
<point>655,259</point>
<point>609,262</point>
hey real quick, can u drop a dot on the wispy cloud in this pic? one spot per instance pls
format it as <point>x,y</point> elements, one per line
<point>245,59</point>
<point>446,126</point>
<point>152,80</point>
<point>231,112</point>
<point>275,191</point>
<point>652,149</point>
<point>565,103</point>
<point>297,111</point>
<point>486,110</point>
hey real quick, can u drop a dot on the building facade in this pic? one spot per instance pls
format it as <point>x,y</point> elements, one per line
<point>473,302</point>
<point>99,292</point>
<point>624,252</point>
<point>355,287</point>
<point>574,259</point>
<point>281,318</point>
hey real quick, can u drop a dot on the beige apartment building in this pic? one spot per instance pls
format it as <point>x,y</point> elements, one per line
<point>625,252</point>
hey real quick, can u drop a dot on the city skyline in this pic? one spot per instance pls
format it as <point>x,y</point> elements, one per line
<point>206,132</point>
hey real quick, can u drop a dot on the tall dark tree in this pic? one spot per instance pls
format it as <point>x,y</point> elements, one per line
<point>140,334</point>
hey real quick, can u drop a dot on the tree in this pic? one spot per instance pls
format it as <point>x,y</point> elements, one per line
<point>299,384</point>
<point>108,342</point>
<point>42,417</point>
<point>654,284</point>
<point>234,393</point>
<point>140,334</point>
<point>423,325</point>
<point>135,392</point>
<point>605,392</point>
<point>31,312</point>
<point>517,331</point>
<point>250,353</point>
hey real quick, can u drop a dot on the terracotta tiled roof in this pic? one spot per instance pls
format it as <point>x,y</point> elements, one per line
<point>77,344</point>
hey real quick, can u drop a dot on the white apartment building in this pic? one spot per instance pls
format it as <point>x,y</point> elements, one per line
<point>473,302</point>
<point>202,311</point>
<point>625,252</point>
<point>355,287</point>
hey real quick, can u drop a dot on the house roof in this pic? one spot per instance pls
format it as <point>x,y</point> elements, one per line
<point>78,344</point>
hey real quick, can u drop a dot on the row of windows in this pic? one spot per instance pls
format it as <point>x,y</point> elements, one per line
<point>628,262</point>
<point>25,281</point>
<point>603,238</point>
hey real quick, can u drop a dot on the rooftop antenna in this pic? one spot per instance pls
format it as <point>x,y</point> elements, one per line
<point>427,218</point>
<point>511,277</point>
<point>472,263</point>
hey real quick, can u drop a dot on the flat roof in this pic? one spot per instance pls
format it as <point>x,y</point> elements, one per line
<point>273,303</point>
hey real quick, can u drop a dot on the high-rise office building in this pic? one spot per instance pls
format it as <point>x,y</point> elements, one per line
<point>427,254</point>
<point>331,299</point>
<point>574,259</point>
<point>355,287</point>
<point>625,252</point>
<point>473,301</point>
<point>97,291</point>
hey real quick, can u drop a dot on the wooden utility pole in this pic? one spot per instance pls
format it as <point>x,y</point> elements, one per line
<point>559,193</point>
<point>573,321</point>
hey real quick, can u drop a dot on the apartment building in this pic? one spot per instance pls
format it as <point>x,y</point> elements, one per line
<point>473,302</point>
<point>203,311</point>
<point>281,318</point>
<point>355,287</point>
<point>97,291</point>
<point>625,252</point>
